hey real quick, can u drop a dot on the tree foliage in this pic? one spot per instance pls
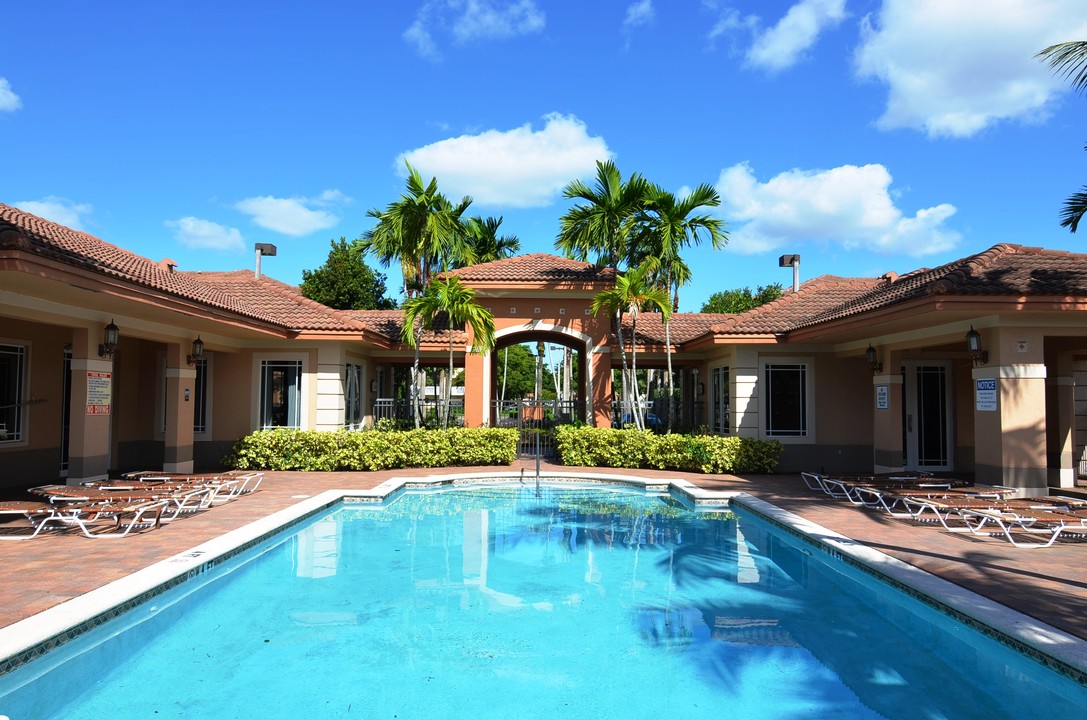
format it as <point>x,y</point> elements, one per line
<point>520,373</point>
<point>448,298</point>
<point>742,299</point>
<point>601,225</point>
<point>422,231</point>
<point>1069,61</point>
<point>346,282</point>
<point>485,242</point>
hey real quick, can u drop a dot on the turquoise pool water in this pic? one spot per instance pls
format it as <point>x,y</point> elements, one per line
<point>501,603</point>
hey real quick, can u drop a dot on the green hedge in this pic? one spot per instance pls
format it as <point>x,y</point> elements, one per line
<point>607,447</point>
<point>283,449</point>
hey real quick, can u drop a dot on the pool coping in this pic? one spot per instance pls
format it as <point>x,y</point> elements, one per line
<point>30,638</point>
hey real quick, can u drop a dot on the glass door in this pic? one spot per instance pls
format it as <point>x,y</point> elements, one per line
<point>927,425</point>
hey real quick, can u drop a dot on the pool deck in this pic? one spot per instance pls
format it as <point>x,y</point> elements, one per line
<point>1049,584</point>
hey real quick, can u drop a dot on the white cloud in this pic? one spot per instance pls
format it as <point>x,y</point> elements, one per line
<point>471,20</point>
<point>521,167</point>
<point>295,216</point>
<point>59,210</point>
<point>782,46</point>
<point>192,232</point>
<point>420,38</point>
<point>638,13</point>
<point>9,101</point>
<point>729,21</point>
<point>955,68</point>
<point>850,205</point>
<point>491,20</point>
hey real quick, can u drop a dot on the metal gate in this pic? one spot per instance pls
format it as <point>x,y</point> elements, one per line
<point>536,422</point>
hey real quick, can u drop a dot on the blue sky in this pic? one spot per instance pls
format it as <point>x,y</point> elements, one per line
<point>865,135</point>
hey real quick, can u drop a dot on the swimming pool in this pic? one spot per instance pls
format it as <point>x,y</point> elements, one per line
<point>501,602</point>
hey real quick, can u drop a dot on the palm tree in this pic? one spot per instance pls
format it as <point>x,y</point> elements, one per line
<point>602,225</point>
<point>666,226</point>
<point>423,232</point>
<point>485,242</point>
<point>488,245</point>
<point>1069,60</point>
<point>632,293</point>
<point>449,298</point>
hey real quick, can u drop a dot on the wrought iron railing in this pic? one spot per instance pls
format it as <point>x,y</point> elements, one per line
<point>430,412</point>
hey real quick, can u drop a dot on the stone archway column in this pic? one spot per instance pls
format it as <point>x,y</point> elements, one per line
<point>477,384</point>
<point>598,413</point>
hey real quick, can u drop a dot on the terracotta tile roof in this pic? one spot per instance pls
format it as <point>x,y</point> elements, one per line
<point>796,309</point>
<point>261,299</point>
<point>389,324</point>
<point>283,302</point>
<point>536,268</point>
<point>1007,270</point>
<point>683,327</point>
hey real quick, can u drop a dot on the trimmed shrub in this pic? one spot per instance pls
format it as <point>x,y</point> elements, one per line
<point>284,449</point>
<point>608,447</point>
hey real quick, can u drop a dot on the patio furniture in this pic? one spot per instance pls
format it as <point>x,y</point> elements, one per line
<point>119,518</point>
<point>1013,524</point>
<point>39,514</point>
<point>177,500</point>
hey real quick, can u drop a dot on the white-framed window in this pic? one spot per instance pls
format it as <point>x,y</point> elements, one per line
<point>12,392</point>
<point>720,406</point>
<point>786,395</point>
<point>280,394</point>
<point>353,413</point>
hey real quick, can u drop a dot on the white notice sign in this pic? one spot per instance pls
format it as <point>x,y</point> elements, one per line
<point>985,394</point>
<point>882,398</point>
<point>99,390</point>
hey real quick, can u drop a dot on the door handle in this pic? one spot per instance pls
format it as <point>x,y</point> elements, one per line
<point>909,423</point>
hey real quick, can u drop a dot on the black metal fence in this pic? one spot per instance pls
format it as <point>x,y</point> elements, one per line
<point>430,411</point>
<point>688,417</point>
<point>536,422</point>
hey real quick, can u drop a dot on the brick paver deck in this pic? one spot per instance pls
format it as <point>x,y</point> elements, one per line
<point>1049,584</point>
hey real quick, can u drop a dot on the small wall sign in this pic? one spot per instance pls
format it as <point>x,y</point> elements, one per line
<point>99,390</point>
<point>882,397</point>
<point>985,394</point>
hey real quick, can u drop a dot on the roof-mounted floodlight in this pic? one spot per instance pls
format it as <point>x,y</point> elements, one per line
<point>792,261</point>
<point>263,249</point>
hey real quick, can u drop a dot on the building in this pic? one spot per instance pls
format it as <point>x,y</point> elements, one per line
<point>110,361</point>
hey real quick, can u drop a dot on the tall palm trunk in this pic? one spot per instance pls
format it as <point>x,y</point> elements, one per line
<point>623,355</point>
<point>449,383</point>
<point>416,403</point>
<point>637,411</point>
<point>668,352</point>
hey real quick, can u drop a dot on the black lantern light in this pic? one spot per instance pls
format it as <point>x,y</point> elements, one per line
<point>973,345</point>
<point>109,344</point>
<point>873,360</point>
<point>197,351</point>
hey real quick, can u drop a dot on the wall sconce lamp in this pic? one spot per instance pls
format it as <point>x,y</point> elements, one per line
<point>701,389</point>
<point>872,359</point>
<point>373,385</point>
<point>197,351</point>
<point>109,344</point>
<point>973,344</point>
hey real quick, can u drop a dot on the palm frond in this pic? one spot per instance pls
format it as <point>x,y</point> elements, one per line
<point>1069,61</point>
<point>1075,207</point>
